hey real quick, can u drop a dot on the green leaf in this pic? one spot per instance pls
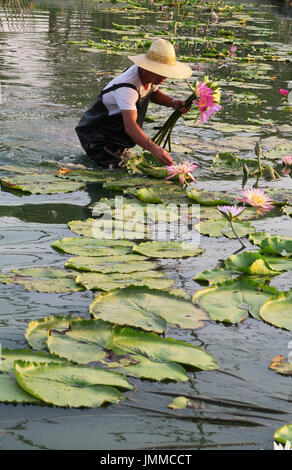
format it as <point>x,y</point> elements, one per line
<point>148,195</point>
<point>149,309</point>
<point>70,385</point>
<point>220,227</point>
<point>151,345</point>
<point>98,281</point>
<point>231,301</point>
<point>10,392</point>
<point>257,237</point>
<point>83,342</point>
<point>212,198</point>
<point>179,403</point>
<point>287,210</point>
<point>43,279</point>
<point>284,434</point>
<point>83,246</point>
<point>168,249</point>
<point>114,264</point>
<point>213,277</point>
<point>37,331</point>
<point>281,365</point>
<point>250,263</point>
<point>277,310</point>
<point>36,183</point>
<point>277,246</point>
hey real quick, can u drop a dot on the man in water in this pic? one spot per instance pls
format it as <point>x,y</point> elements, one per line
<point>114,122</point>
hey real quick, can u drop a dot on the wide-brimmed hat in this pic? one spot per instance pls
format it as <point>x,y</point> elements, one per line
<point>160,58</point>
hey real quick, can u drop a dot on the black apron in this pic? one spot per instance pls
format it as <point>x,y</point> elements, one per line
<point>97,130</point>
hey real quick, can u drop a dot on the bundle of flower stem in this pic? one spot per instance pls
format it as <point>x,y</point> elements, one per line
<point>205,95</point>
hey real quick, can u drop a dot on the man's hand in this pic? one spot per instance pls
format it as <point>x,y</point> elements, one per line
<point>162,156</point>
<point>180,106</point>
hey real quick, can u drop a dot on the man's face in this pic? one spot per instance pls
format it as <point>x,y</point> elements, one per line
<point>155,78</point>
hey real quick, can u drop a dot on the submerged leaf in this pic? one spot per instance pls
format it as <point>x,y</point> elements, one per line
<point>169,249</point>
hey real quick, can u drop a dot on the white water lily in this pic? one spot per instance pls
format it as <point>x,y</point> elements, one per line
<point>280,447</point>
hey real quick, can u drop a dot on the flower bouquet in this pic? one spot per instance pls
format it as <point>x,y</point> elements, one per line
<point>205,96</point>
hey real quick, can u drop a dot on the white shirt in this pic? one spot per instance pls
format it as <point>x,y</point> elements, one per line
<point>125,98</point>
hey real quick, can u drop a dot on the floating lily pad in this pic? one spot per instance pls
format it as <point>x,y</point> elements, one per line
<point>231,301</point>
<point>151,345</point>
<point>277,246</point>
<point>179,403</point>
<point>114,264</point>
<point>10,392</point>
<point>221,227</point>
<point>284,434</point>
<point>169,249</point>
<point>98,281</point>
<point>212,198</point>
<point>70,385</point>
<point>37,331</point>
<point>251,263</point>
<point>214,276</point>
<point>280,263</point>
<point>83,246</point>
<point>84,342</point>
<point>36,183</point>
<point>43,279</point>
<point>277,310</point>
<point>149,309</point>
<point>257,237</point>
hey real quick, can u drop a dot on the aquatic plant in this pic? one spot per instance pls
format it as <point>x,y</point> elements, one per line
<point>205,95</point>
<point>230,213</point>
<point>257,198</point>
<point>183,170</point>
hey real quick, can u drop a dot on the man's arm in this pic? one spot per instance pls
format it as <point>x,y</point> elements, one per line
<point>164,100</point>
<point>141,139</point>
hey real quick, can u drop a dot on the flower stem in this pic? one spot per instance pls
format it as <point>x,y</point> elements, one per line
<point>238,238</point>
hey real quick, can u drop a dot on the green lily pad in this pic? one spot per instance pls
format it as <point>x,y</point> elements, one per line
<point>277,246</point>
<point>284,434</point>
<point>10,392</point>
<point>257,237</point>
<point>70,385</point>
<point>114,264</point>
<point>148,195</point>
<point>277,310</point>
<point>151,345</point>
<point>37,331</point>
<point>169,249</point>
<point>214,276</point>
<point>231,301</point>
<point>280,263</point>
<point>36,183</point>
<point>83,246</point>
<point>149,309</point>
<point>251,263</point>
<point>84,342</point>
<point>43,279</point>
<point>179,403</point>
<point>98,281</point>
<point>221,227</point>
<point>212,198</point>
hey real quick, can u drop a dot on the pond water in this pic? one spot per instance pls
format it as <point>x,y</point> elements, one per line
<point>46,84</point>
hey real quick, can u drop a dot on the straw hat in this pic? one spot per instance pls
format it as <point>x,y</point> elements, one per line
<point>160,58</point>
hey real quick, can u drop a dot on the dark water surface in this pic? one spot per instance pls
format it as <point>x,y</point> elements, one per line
<point>46,84</point>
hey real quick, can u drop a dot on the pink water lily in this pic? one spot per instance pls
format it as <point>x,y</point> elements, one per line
<point>284,92</point>
<point>183,170</point>
<point>207,101</point>
<point>257,198</point>
<point>233,51</point>
<point>230,212</point>
<point>287,160</point>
